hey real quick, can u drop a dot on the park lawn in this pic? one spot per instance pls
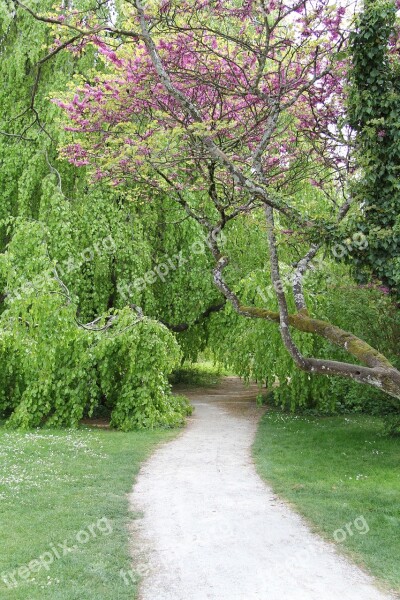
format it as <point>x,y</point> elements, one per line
<point>65,493</point>
<point>333,470</point>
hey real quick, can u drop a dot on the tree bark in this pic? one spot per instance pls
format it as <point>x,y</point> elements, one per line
<point>378,372</point>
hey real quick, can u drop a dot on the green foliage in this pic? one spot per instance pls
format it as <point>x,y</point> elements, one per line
<point>104,241</point>
<point>133,366</point>
<point>374,113</point>
<point>54,372</point>
<point>392,425</point>
<point>253,348</point>
<point>100,240</point>
<point>201,374</point>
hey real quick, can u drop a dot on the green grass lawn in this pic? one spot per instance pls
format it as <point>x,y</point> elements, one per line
<point>335,470</point>
<point>64,511</point>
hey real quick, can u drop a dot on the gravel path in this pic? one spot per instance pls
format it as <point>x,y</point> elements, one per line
<point>211,529</point>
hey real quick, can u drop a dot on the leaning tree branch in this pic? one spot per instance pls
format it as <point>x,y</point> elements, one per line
<point>378,372</point>
<point>280,293</point>
<point>297,284</point>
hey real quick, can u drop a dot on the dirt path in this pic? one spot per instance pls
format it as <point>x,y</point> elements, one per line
<point>211,529</point>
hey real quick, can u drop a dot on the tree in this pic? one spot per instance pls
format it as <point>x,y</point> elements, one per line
<point>374,112</point>
<point>67,248</point>
<point>229,108</point>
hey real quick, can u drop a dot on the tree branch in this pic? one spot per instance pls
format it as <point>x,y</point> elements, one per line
<point>298,275</point>
<point>215,152</point>
<point>379,372</point>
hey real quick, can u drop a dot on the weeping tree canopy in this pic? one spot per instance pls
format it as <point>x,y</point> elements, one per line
<point>190,176</point>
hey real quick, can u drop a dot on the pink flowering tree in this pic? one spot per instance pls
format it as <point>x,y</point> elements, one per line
<point>241,90</point>
<point>228,107</point>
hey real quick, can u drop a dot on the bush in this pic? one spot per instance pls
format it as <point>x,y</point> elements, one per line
<point>392,424</point>
<point>55,372</point>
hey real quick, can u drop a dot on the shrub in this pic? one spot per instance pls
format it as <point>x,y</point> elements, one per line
<point>55,372</point>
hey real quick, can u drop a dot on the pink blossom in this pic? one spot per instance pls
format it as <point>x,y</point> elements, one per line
<point>218,76</point>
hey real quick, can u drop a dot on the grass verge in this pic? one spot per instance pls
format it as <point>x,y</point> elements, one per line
<point>64,512</point>
<point>335,470</point>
